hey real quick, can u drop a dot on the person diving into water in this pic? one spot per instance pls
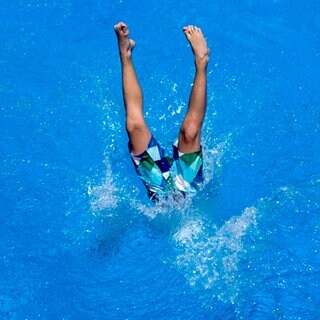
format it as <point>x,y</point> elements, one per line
<point>159,173</point>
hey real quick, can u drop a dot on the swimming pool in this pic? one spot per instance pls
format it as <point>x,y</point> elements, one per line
<point>80,240</point>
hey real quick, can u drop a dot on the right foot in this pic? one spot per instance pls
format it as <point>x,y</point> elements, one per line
<point>126,45</point>
<point>198,44</point>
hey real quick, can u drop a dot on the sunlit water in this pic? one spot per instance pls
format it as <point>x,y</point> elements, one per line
<point>80,239</point>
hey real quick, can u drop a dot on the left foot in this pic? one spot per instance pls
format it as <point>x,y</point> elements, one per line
<point>126,45</point>
<point>198,44</point>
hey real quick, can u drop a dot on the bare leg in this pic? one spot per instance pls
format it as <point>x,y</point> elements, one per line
<point>189,136</point>
<point>137,129</point>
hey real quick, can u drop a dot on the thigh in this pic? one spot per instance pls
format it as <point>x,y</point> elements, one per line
<point>188,169</point>
<point>153,168</point>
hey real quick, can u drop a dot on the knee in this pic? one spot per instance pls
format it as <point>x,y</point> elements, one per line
<point>190,131</point>
<point>132,126</point>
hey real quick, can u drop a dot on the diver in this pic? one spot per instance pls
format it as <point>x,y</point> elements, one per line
<point>159,173</point>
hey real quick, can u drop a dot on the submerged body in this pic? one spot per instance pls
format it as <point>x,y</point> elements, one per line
<point>160,173</point>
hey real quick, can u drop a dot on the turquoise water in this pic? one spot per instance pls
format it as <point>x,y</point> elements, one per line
<point>80,239</point>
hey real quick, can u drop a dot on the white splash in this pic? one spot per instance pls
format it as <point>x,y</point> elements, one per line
<point>208,257</point>
<point>104,196</point>
<point>169,205</point>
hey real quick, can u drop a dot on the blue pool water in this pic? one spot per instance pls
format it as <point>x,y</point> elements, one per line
<point>79,238</point>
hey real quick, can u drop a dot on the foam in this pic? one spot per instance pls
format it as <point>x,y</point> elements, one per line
<point>104,196</point>
<point>208,257</point>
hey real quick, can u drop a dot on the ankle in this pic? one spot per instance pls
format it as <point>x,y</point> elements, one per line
<point>125,57</point>
<point>201,67</point>
<point>201,63</point>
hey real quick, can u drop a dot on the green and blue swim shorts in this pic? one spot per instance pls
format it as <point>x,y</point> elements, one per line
<point>162,174</point>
